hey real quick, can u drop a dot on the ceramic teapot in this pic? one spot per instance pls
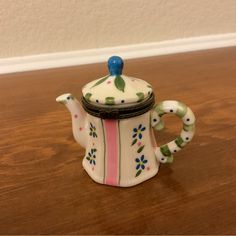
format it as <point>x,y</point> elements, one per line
<point>114,123</point>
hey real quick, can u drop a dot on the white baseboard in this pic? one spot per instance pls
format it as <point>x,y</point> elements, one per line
<point>73,58</point>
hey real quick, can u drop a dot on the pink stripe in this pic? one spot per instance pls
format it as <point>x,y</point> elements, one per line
<point>112,152</point>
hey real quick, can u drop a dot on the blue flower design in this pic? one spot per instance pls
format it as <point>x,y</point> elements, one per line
<point>138,131</point>
<point>91,156</point>
<point>141,163</point>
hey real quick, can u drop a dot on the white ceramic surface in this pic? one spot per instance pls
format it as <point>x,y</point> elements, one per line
<point>123,152</point>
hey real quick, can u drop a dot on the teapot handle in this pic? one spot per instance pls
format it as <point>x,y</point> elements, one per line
<point>164,153</point>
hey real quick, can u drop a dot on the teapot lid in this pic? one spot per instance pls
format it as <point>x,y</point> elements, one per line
<point>116,88</point>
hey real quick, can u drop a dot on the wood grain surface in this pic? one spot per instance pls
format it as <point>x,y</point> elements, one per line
<point>44,189</point>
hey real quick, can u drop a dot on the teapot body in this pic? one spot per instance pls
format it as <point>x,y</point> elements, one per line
<point>115,125</point>
<point>120,152</point>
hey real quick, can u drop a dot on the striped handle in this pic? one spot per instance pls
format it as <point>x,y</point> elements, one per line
<point>164,153</point>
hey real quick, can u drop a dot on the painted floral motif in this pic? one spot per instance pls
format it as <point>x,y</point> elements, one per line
<point>92,130</point>
<point>137,139</point>
<point>119,82</point>
<point>92,156</point>
<point>137,133</point>
<point>140,165</point>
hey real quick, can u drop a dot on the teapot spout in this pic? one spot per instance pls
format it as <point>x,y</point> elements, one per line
<point>78,116</point>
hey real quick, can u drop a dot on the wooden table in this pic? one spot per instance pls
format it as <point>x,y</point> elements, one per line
<point>44,189</point>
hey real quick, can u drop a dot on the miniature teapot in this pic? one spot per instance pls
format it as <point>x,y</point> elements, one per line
<point>115,125</point>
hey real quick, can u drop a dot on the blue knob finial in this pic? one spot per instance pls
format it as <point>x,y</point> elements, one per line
<point>115,65</point>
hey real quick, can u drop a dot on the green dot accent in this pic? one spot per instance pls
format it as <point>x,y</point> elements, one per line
<point>182,110</point>
<point>170,159</point>
<point>179,142</point>
<point>140,96</point>
<point>109,100</point>
<point>188,127</point>
<point>159,126</point>
<point>64,102</point>
<point>160,109</point>
<point>165,150</point>
<point>88,96</point>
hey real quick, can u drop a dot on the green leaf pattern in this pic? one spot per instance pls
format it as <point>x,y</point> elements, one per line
<point>134,141</point>
<point>140,149</point>
<point>100,81</point>
<point>120,83</point>
<point>138,173</point>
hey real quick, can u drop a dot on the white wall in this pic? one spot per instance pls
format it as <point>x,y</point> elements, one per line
<point>42,26</point>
